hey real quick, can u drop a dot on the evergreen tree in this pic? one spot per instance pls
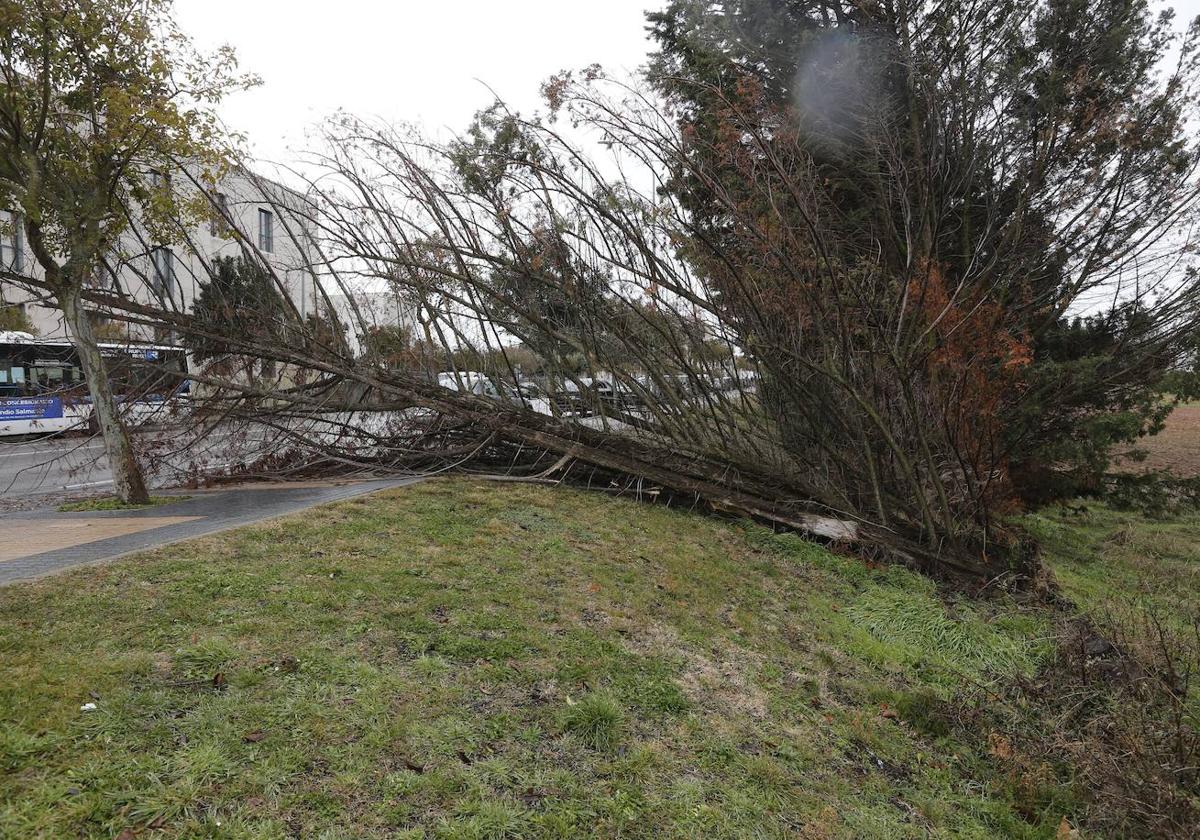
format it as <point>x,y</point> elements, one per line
<point>1034,157</point>
<point>240,299</point>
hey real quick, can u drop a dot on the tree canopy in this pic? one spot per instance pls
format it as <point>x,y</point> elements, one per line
<point>102,104</point>
<point>1023,173</point>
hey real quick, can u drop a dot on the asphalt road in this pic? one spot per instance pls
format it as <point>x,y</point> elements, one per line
<point>76,465</point>
<point>34,468</point>
<point>52,465</point>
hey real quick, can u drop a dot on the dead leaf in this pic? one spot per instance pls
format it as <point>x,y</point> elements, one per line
<point>999,746</point>
<point>219,682</point>
<point>1065,832</point>
<point>254,737</point>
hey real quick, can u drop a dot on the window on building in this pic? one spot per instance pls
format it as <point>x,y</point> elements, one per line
<point>266,231</point>
<point>160,180</point>
<point>12,243</point>
<point>164,272</point>
<point>219,226</point>
<point>103,278</point>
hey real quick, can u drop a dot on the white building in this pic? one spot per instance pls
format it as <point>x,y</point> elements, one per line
<point>255,218</point>
<point>363,311</point>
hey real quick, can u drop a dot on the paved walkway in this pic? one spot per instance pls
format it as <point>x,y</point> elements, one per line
<point>33,544</point>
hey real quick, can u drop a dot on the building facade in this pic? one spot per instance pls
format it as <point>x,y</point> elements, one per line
<point>251,216</point>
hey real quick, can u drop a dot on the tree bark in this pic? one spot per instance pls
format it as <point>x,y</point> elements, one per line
<point>128,483</point>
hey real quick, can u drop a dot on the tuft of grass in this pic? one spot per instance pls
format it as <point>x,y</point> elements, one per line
<point>596,719</point>
<point>489,821</point>
<point>913,628</point>
<point>204,658</point>
<point>113,503</point>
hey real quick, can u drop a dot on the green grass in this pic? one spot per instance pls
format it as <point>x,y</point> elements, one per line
<point>113,503</point>
<point>1131,575</point>
<point>1137,580</point>
<point>471,660</point>
<point>1109,561</point>
<point>597,719</point>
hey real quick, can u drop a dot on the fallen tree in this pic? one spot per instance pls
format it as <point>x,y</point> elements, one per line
<point>438,428</point>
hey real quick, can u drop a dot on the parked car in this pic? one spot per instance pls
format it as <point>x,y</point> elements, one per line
<point>530,390</point>
<point>481,384</point>
<point>474,382</point>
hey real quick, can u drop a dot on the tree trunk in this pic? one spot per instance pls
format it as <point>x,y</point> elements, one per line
<point>128,482</point>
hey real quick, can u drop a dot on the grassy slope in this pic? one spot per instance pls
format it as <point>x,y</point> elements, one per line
<point>470,660</point>
<point>1108,561</point>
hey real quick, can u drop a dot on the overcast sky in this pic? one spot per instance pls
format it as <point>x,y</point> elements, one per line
<point>417,60</point>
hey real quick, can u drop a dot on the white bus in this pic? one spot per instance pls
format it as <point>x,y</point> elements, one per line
<point>42,389</point>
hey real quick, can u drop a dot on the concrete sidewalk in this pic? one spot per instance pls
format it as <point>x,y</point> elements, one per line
<point>40,543</point>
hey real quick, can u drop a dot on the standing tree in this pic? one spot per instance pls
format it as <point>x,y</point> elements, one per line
<point>239,298</point>
<point>387,344</point>
<point>97,97</point>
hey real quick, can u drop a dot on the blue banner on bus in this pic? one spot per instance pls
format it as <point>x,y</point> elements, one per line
<point>31,408</point>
